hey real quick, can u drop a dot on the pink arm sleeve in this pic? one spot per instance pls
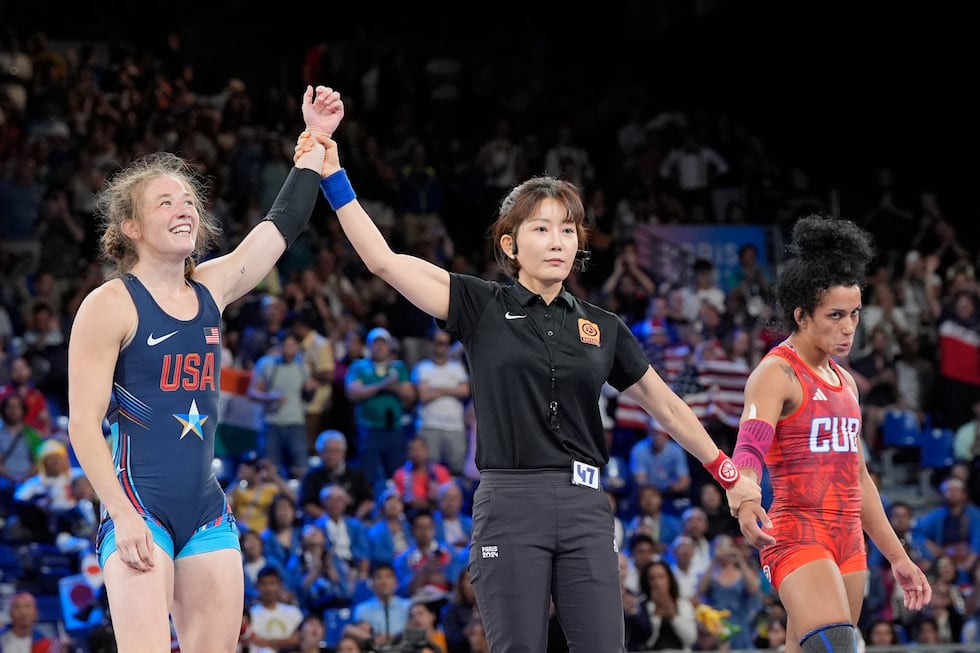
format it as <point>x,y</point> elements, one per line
<point>754,439</point>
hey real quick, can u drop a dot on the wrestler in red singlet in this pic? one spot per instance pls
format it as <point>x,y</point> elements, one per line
<point>814,464</point>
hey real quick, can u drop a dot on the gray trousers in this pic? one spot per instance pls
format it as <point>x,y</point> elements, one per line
<point>536,539</point>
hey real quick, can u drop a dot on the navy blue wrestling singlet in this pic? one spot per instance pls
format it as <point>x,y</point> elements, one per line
<point>164,414</point>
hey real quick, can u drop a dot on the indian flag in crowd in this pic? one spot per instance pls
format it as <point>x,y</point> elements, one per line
<point>239,418</point>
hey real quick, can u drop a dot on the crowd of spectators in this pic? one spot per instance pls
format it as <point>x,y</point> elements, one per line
<point>355,494</point>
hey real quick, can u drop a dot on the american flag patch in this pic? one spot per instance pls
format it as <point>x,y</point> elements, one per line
<point>211,336</point>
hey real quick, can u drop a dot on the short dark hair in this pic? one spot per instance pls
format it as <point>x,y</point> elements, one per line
<point>899,504</point>
<point>378,566</point>
<point>641,538</point>
<point>703,265</point>
<point>420,512</point>
<point>269,571</point>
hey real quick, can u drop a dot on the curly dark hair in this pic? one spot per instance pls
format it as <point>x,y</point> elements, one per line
<point>825,252</point>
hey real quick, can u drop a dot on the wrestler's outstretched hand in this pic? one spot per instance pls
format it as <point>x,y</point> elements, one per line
<point>323,111</point>
<point>915,586</point>
<point>752,519</point>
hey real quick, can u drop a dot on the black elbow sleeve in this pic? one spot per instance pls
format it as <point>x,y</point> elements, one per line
<point>294,205</point>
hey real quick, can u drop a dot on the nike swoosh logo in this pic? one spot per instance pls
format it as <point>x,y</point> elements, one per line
<point>151,341</point>
<point>511,316</point>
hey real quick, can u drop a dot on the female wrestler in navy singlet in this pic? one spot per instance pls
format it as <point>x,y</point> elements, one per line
<point>149,340</point>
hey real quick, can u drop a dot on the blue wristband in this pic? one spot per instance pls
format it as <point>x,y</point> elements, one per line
<point>337,189</point>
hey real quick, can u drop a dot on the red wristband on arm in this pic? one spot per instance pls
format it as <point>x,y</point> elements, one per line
<point>723,470</point>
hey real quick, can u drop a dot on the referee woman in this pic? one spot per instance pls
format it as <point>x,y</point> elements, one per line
<point>542,528</point>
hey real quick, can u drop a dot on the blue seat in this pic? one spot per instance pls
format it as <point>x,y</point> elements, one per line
<point>362,591</point>
<point>10,564</point>
<point>334,620</point>
<point>48,607</point>
<point>900,439</point>
<point>901,429</point>
<point>936,446</point>
<point>935,453</point>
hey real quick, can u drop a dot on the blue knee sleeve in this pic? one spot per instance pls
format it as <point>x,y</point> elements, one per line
<point>832,638</point>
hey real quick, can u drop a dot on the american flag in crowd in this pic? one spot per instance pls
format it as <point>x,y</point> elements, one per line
<point>211,336</point>
<point>628,413</point>
<point>724,390</point>
<point>715,389</point>
<point>721,381</point>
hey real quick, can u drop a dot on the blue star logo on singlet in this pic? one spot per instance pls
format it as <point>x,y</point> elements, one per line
<point>192,421</point>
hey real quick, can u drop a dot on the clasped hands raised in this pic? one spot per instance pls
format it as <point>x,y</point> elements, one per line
<point>322,112</point>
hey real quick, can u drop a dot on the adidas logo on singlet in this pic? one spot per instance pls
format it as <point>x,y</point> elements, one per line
<point>819,395</point>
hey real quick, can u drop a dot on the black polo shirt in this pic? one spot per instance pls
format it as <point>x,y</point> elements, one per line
<point>527,416</point>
